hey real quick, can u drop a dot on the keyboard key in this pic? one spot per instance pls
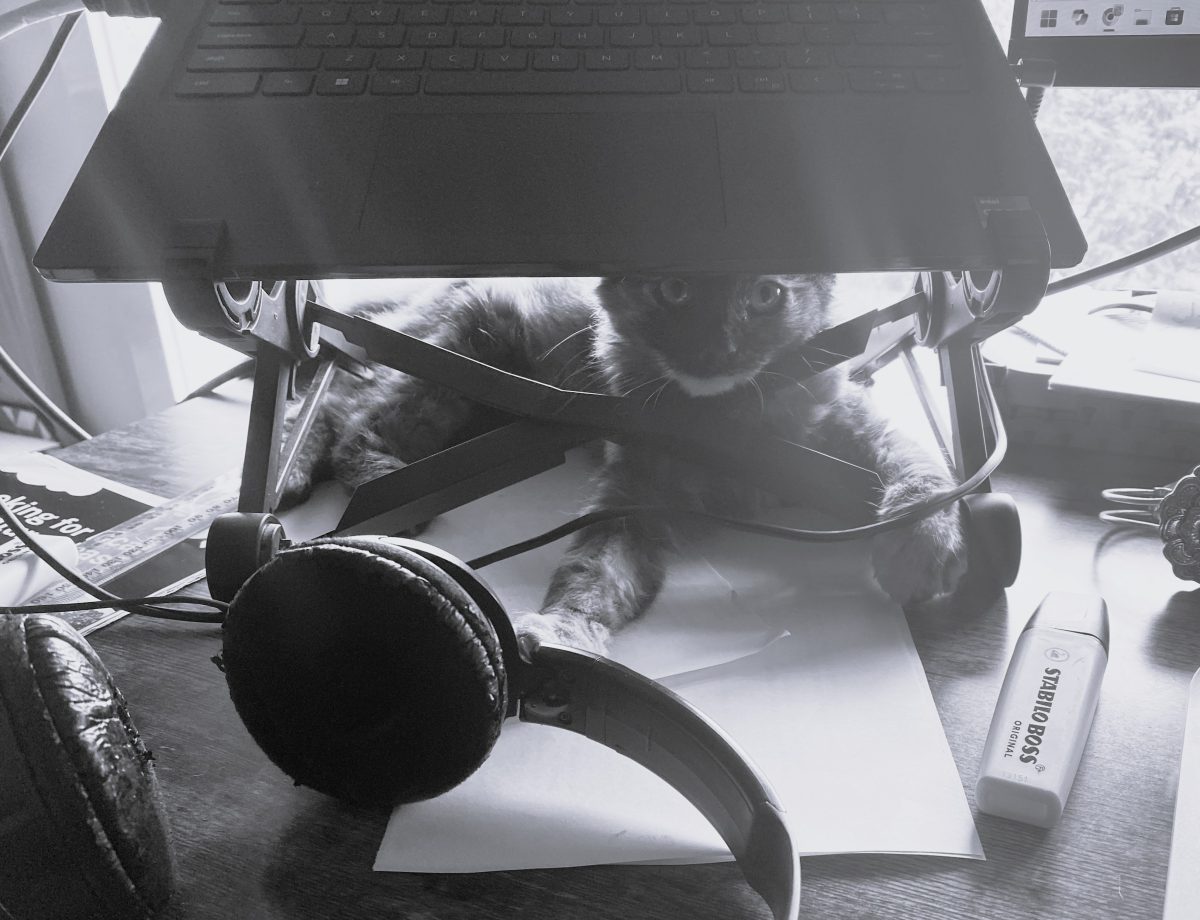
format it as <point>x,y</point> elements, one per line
<point>941,81</point>
<point>710,82</point>
<point>425,14</point>
<point>531,37</point>
<point>731,35</point>
<point>667,16</point>
<point>707,58</point>
<point>818,81</point>
<point>431,37</point>
<point>505,60</point>
<point>584,37</point>
<point>806,57</point>
<point>715,14</point>
<point>456,59</point>
<point>811,12</point>
<point>407,59</point>
<point>764,13</point>
<point>679,37</point>
<point>765,82</point>
<point>473,15</point>
<point>394,84</point>
<point>571,16</point>
<point>529,83</point>
<point>835,34</point>
<point>859,12</point>
<point>656,59</point>
<point>217,84</point>
<point>329,36</point>
<point>880,80</point>
<point>911,12</point>
<point>522,16</point>
<point>341,84</point>
<point>257,59</point>
<point>482,37</point>
<point>785,33</point>
<point>630,36</point>
<point>287,84</point>
<point>619,16</point>
<point>902,34</point>
<point>897,56</point>
<point>757,58</point>
<point>614,59</point>
<point>349,59</point>
<point>251,36</point>
<point>377,14</point>
<point>380,36</point>
<point>254,14</point>
<point>330,14</point>
<point>556,60</point>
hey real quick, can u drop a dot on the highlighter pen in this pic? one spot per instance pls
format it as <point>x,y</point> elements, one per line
<point>1045,710</point>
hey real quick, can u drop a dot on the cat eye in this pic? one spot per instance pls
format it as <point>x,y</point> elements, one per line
<point>767,297</point>
<point>673,292</point>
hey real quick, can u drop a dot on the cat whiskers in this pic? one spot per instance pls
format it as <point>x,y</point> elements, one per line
<point>662,380</point>
<point>791,380</point>
<point>658,392</point>
<point>564,340</point>
<point>762,400</point>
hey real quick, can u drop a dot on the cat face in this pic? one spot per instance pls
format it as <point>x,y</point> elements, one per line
<point>708,333</point>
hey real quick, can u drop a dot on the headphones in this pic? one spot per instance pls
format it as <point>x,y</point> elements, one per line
<point>376,670</point>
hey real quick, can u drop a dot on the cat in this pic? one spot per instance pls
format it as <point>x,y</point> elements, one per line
<point>707,337</point>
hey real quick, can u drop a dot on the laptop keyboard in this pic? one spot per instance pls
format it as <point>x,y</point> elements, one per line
<point>355,48</point>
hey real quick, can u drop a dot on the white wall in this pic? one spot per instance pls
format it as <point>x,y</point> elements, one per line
<point>112,369</point>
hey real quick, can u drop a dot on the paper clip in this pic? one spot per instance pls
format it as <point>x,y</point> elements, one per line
<point>1173,510</point>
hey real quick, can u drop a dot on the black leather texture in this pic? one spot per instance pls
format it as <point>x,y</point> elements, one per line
<point>81,822</point>
<point>364,671</point>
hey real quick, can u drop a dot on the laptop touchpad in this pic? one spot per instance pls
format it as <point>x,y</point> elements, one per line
<point>575,174</point>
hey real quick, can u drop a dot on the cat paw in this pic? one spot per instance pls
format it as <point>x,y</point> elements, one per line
<point>919,562</point>
<point>570,629</point>
<point>296,490</point>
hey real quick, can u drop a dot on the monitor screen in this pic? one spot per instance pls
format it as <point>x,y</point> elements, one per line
<point>1105,43</point>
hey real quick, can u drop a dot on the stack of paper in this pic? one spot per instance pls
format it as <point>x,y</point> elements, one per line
<point>790,647</point>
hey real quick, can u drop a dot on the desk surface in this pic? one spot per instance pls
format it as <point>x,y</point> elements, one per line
<point>249,844</point>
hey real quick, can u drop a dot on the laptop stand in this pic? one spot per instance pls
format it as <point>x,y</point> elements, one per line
<point>283,324</point>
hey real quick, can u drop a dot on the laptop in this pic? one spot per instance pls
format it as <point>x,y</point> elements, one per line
<point>407,138</point>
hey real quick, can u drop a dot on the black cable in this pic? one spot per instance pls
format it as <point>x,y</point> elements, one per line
<point>1161,248</point>
<point>9,131</point>
<point>244,369</point>
<point>1124,305</point>
<point>127,603</point>
<point>49,411</point>
<point>894,522</point>
<point>106,598</point>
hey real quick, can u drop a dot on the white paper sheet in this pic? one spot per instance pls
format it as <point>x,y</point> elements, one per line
<point>790,647</point>
<point>1171,342</point>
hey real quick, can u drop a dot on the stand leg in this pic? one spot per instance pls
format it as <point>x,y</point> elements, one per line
<point>973,441</point>
<point>273,371</point>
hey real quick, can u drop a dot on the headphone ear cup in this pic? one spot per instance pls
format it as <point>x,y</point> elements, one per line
<point>83,833</point>
<point>364,671</point>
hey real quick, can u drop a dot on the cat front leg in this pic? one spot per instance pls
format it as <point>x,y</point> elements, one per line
<point>922,560</point>
<point>609,576</point>
<point>611,572</point>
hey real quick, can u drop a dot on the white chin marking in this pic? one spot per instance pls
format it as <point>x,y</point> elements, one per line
<point>706,386</point>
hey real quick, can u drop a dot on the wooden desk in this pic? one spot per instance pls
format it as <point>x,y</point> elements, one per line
<point>250,845</point>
